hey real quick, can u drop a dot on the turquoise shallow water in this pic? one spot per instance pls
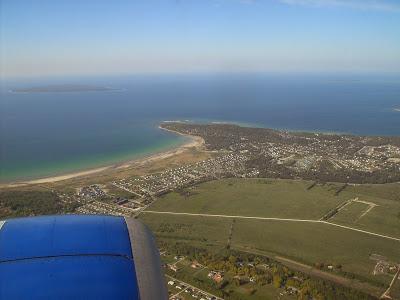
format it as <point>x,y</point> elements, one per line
<point>51,168</point>
<point>45,134</point>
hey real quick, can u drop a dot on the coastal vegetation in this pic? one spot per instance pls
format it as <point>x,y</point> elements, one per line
<point>31,202</point>
<point>340,237</point>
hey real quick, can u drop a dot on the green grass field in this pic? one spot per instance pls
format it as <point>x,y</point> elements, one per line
<point>396,289</point>
<point>290,199</point>
<point>266,292</point>
<point>350,214</point>
<point>309,243</point>
<point>254,197</point>
<point>315,243</point>
<point>196,230</point>
<point>389,191</point>
<point>383,219</point>
<point>303,242</point>
<point>117,192</point>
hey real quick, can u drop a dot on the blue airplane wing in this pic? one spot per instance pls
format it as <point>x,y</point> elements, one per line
<point>79,257</point>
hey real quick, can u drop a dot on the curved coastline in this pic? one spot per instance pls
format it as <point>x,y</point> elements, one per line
<point>192,142</point>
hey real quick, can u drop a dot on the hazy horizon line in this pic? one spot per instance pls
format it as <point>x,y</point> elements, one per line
<point>205,72</point>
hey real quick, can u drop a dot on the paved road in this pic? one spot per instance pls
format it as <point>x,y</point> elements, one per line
<point>274,219</point>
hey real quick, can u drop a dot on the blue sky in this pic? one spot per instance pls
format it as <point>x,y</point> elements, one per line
<point>66,37</point>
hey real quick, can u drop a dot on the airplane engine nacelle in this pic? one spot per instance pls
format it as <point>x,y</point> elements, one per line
<point>79,257</point>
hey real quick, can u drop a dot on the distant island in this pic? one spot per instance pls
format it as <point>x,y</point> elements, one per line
<point>62,88</point>
<point>396,109</point>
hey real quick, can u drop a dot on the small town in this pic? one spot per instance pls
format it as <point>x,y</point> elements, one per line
<point>143,190</point>
<point>316,156</point>
<point>288,155</point>
<point>239,153</point>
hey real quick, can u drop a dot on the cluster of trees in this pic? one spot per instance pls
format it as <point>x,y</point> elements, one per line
<point>20,203</point>
<point>165,227</point>
<point>241,266</point>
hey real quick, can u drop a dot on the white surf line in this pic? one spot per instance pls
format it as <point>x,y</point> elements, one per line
<point>2,223</point>
<point>273,219</point>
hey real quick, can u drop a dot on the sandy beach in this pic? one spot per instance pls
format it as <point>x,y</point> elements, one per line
<point>194,142</point>
<point>55,178</point>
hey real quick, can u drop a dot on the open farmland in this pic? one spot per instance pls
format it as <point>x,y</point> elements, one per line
<point>315,244</point>
<point>282,220</point>
<point>196,230</point>
<point>310,243</point>
<point>254,197</point>
<point>389,191</point>
<point>379,213</point>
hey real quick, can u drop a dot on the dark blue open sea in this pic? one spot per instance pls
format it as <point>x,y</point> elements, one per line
<point>44,134</point>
